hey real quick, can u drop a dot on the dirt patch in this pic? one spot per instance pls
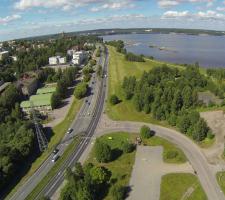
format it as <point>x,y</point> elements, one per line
<point>208,97</point>
<point>216,121</point>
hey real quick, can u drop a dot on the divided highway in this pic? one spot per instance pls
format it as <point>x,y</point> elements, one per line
<point>86,123</point>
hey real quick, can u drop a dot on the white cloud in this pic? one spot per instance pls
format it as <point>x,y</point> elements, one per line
<point>207,15</point>
<point>114,6</point>
<point>175,14</point>
<point>62,4</point>
<point>171,3</point>
<point>8,19</point>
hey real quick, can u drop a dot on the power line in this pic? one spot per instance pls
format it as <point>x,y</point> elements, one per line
<point>41,138</point>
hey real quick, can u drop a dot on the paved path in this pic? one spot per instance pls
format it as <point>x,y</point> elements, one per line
<point>205,171</point>
<point>148,171</point>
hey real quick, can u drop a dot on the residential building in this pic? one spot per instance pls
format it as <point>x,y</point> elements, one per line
<point>53,60</point>
<point>62,60</point>
<point>57,60</point>
<point>4,54</point>
<point>79,57</point>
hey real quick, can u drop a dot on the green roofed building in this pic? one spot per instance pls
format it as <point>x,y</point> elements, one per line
<point>46,90</point>
<point>41,102</point>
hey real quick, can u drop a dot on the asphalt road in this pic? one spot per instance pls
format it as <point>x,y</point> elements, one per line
<point>86,123</point>
<point>194,154</point>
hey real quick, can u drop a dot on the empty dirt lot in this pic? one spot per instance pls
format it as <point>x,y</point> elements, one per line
<point>216,121</point>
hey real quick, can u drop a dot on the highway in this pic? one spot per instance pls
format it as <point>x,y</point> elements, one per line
<point>86,122</point>
<point>204,170</point>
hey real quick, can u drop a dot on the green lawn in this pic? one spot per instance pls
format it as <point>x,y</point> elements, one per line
<point>59,131</point>
<point>167,149</point>
<point>177,186</point>
<point>221,180</point>
<point>121,168</point>
<point>118,69</point>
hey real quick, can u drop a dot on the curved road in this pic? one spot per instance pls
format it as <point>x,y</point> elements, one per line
<point>192,151</point>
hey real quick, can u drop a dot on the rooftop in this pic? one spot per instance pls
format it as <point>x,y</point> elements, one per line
<point>37,100</point>
<point>46,90</point>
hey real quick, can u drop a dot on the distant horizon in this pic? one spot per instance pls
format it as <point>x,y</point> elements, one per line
<point>102,29</point>
<point>26,18</point>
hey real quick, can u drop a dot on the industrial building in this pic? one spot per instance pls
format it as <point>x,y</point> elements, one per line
<point>40,102</point>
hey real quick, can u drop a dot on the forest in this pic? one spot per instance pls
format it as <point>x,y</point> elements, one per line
<point>16,136</point>
<point>171,95</point>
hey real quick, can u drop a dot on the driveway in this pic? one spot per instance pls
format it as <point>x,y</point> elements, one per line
<point>148,171</point>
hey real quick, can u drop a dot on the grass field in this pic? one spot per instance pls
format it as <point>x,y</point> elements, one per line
<point>118,69</point>
<point>179,186</point>
<point>59,131</point>
<point>167,149</point>
<point>121,168</point>
<point>221,180</point>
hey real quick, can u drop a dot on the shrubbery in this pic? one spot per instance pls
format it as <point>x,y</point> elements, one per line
<point>134,58</point>
<point>81,90</point>
<point>114,100</point>
<point>103,152</point>
<point>146,132</point>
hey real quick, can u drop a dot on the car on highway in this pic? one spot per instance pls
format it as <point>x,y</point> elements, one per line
<point>70,130</point>
<point>55,151</point>
<point>55,158</point>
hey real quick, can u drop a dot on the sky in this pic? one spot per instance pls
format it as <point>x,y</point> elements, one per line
<point>24,18</point>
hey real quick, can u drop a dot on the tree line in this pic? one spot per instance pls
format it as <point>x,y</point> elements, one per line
<point>120,47</point>
<point>17,136</point>
<point>170,94</point>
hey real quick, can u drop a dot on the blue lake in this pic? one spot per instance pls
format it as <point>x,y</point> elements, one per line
<point>209,51</point>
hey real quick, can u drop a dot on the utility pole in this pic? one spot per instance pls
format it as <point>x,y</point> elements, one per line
<point>41,138</point>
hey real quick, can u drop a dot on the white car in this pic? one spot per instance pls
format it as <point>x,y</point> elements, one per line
<point>55,158</point>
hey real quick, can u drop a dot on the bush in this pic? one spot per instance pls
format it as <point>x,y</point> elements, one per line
<point>114,99</point>
<point>55,100</point>
<point>127,147</point>
<point>134,58</point>
<point>171,154</point>
<point>118,192</point>
<point>103,152</point>
<point>80,90</point>
<point>146,132</point>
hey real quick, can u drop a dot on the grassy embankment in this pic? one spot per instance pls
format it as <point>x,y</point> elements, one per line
<point>181,186</point>
<point>58,133</point>
<point>118,69</point>
<point>121,168</point>
<point>221,180</point>
<point>125,111</point>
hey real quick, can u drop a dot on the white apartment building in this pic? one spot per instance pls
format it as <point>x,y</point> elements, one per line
<point>53,60</point>
<point>71,52</point>
<point>4,54</point>
<point>62,60</point>
<point>56,60</point>
<point>79,57</point>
